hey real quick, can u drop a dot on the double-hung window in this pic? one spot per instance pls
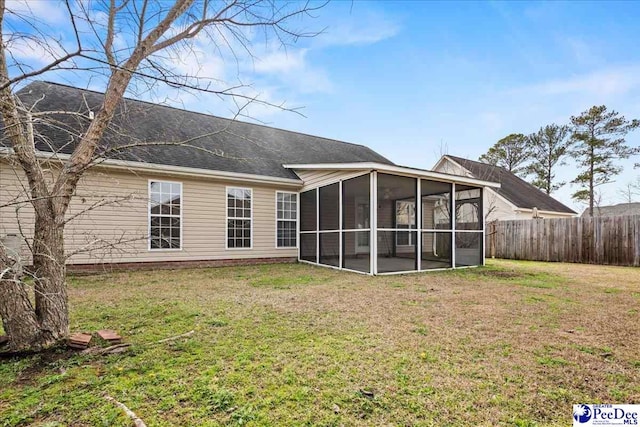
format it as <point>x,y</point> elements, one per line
<point>239,218</point>
<point>165,215</point>
<point>287,219</point>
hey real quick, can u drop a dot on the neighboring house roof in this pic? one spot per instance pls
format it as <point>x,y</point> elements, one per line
<point>214,143</point>
<point>513,188</point>
<point>615,210</point>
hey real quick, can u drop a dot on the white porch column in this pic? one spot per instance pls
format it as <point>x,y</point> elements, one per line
<point>373,220</point>
<point>453,225</point>
<point>318,225</point>
<point>484,225</point>
<point>419,222</point>
<point>340,225</point>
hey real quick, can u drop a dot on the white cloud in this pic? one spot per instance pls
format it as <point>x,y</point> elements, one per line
<point>281,61</point>
<point>197,62</point>
<point>31,52</point>
<point>601,83</point>
<point>291,69</point>
<point>42,10</point>
<point>364,28</point>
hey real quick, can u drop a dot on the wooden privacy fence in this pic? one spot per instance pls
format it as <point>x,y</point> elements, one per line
<point>598,240</point>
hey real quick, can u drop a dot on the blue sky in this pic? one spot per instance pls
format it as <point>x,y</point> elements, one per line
<point>463,75</point>
<point>413,79</point>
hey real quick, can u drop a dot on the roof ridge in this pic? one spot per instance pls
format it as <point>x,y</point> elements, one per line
<point>129,99</point>
<point>478,162</point>
<point>620,204</point>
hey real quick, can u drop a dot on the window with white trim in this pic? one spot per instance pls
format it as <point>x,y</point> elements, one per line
<point>165,215</point>
<point>239,204</point>
<point>287,219</point>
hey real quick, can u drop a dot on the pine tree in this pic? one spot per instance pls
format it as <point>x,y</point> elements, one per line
<point>549,147</point>
<point>599,136</point>
<point>511,153</point>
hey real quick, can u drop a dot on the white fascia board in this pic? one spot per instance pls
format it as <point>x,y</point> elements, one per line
<point>172,170</point>
<point>381,167</point>
<point>545,212</point>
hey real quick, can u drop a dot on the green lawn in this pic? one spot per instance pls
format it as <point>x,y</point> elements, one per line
<point>514,343</point>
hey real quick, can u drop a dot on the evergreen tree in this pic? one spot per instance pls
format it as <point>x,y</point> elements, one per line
<point>511,153</point>
<point>549,147</point>
<point>599,136</point>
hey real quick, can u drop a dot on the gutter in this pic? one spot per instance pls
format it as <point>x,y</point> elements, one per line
<point>169,169</point>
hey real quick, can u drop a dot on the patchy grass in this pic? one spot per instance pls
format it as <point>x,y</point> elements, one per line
<point>514,343</point>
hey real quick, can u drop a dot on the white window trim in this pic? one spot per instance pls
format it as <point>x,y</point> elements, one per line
<point>296,219</point>
<point>227,218</point>
<point>149,248</point>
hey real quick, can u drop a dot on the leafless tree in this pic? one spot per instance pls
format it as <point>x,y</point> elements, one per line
<point>598,202</point>
<point>126,46</point>
<point>630,193</point>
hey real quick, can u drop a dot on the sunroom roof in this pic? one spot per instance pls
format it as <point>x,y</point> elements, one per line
<point>403,170</point>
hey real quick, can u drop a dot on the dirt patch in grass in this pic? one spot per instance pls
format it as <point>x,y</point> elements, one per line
<point>499,273</point>
<point>38,365</point>
<point>510,344</point>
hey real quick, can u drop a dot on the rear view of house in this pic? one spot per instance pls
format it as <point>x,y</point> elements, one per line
<point>173,187</point>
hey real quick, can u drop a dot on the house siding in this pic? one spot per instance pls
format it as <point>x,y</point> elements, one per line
<point>203,218</point>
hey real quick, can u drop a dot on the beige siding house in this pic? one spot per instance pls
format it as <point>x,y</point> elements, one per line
<point>126,220</point>
<point>514,199</point>
<point>238,193</point>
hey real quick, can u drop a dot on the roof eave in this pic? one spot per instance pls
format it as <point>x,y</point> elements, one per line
<point>403,170</point>
<point>172,170</point>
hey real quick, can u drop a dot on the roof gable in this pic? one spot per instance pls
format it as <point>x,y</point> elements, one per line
<point>513,188</point>
<point>170,136</point>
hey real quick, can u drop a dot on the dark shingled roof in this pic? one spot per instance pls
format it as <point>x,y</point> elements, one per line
<point>615,210</point>
<point>515,189</point>
<point>215,143</point>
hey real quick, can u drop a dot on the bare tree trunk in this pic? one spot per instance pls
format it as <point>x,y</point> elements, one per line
<point>591,195</point>
<point>18,317</point>
<point>50,287</point>
<point>36,327</point>
<point>549,179</point>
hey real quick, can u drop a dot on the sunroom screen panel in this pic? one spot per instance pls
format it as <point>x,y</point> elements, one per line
<point>308,213</point>
<point>330,207</point>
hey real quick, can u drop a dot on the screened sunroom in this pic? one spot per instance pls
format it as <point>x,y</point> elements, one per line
<point>391,219</point>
